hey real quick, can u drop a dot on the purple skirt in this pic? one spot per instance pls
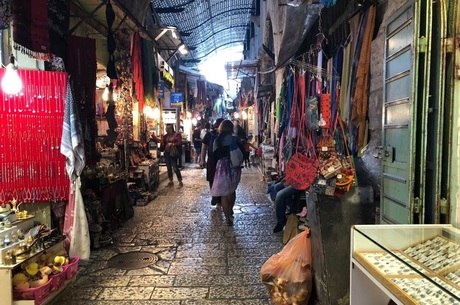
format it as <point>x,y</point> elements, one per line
<point>226,178</point>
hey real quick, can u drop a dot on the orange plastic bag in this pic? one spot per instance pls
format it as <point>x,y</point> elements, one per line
<point>287,274</point>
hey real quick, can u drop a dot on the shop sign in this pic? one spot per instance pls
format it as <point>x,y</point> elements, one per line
<point>176,98</point>
<point>161,89</point>
<point>167,73</point>
<point>169,116</point>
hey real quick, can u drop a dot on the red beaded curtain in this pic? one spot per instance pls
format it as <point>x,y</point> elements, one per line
<point>32,168</point>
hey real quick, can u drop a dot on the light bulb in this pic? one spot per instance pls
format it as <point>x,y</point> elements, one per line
<point>183,49</point>
<point>11,82</point>
<point>244,115</point>
<point>156,113</point>
<point>148,111</point>
<point>194,121</point>
<point>236,115</point>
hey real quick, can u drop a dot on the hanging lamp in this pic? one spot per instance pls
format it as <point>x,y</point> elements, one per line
<point>11,82</point>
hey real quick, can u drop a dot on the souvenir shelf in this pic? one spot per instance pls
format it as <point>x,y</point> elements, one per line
<point>408,264</point>
<point>6,271</point>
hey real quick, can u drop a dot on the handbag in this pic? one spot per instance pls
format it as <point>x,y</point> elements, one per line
<point>173,151</point>
<point>301,169</point>
<point>236,155</point>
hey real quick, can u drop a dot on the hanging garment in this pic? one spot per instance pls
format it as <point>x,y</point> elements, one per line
<point>136,58</point>
<point>30,31</point>
<point>76,228</point>
<point>148,68</point>
<point>361,95</point>
<point>345,83</point>
<point>58,17</point>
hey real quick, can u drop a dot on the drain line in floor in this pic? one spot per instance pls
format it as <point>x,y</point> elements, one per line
<point>132,260</point>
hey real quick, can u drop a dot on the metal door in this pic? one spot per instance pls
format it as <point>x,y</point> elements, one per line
<point>404,114</point>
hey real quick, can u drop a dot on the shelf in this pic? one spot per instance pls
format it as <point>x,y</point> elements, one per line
<point>31,257</point>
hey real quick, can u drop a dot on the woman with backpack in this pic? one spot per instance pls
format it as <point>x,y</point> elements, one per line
<point>227,174</point>
<point>206,148</point>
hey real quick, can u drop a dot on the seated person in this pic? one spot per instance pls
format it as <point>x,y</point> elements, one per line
<point>285,196</point>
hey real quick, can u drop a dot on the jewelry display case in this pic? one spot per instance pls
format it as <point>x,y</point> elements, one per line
<point>406,264</point>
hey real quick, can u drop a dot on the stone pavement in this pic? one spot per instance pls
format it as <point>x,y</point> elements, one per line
<point>201,260</point>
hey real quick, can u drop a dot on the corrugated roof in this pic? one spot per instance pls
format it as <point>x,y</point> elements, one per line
<point>206,25</point>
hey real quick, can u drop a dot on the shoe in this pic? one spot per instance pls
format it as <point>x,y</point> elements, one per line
<point>180,185</point>
<point>214,201</point>
<point>278,228</point>
<point>230,220</point>
<point>170,183</point>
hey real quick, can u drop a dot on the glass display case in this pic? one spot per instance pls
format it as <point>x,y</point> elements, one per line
<point>405,264</point>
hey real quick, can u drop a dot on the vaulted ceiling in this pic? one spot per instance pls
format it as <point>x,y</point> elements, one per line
<point>206,25</point>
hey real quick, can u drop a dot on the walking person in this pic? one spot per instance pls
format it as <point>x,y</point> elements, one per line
<point>207,149</point>
<point>172,141</point>
<point>196,139</point>
<point>227,177</point>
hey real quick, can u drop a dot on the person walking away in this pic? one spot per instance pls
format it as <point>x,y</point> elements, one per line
<point>207,149</point>
<point>247,151</point>
<point>172,141</point>
<point>197,143</point>
<point>227,177</point>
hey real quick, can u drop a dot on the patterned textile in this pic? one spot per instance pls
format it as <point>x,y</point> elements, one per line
<point>30,31</point>
<point>72,140</point>
<point>226,178</point>
<point>5,14</point>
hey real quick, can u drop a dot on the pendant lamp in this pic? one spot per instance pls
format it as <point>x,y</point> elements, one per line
<point>11,82</point>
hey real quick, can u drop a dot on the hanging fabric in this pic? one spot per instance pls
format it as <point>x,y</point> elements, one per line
<point>148,71</point>
<point>58,17</point>
<point>361,95</point>
<point>345,83</point>
<point>5,14</point>
<point>30,30</point>
<point>136,58</point>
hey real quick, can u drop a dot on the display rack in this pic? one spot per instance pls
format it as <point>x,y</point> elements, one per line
<point>6,271</point>
<point>406,264</point>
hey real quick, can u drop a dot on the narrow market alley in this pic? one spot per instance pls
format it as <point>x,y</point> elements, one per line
<point>201,260</point>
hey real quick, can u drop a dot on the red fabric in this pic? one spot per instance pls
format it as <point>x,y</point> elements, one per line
<point>30,19</point>
<point>32,168</point>
<point>137,71</point>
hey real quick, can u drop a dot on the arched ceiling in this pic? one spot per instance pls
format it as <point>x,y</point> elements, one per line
<point>206,25</point>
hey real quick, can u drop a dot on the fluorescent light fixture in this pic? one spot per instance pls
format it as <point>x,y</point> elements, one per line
<point>183,49</point>
<point>163,31</point>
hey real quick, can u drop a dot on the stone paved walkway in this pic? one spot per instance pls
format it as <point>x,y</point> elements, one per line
<point>201,260</point>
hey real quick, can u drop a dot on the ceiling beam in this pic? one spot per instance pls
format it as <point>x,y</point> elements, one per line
<point>87,18</point>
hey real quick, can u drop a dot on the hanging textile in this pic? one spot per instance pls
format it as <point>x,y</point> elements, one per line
<point>361,95</point>
<point>5,14</point>
<point>345,83</point>
<point>76,228</point>
<point>148,70</point>
<point>75,223</point>
<point>58,19</point>
<point>32,168</point>
<point>81,66</point>
<point>72,146</point>
<point>136,58</point>
<point>30,30</point>
<point>111,44</point>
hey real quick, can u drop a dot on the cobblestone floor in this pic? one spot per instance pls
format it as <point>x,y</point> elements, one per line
<point>201,260</point>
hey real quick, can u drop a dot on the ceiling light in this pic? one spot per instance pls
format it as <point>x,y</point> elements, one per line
<point>11,82</point>
<point>183,49</point>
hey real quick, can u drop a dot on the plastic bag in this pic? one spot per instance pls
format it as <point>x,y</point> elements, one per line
<point>287,274</point>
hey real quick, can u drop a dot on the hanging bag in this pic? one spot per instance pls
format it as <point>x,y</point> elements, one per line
<point>301,169</point>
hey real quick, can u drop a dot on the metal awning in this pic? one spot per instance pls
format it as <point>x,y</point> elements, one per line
<point>241,69</point>
<point>206,25</point>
